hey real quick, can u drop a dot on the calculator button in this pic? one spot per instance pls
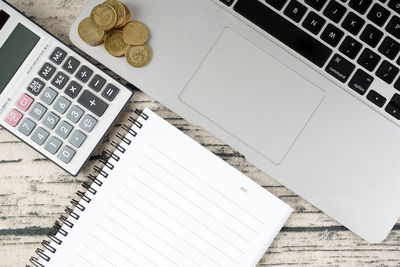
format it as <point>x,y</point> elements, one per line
<point>75,114</point>
<point>27,126</point>
<point>36,86</point>
<point>88,123</point>
<point>84,74</point>
<point>50,120</point>
<point>60,80</point>
<point>71,65</point>
<point>13,117</point>
<point>64,130</point>
<point>39,136</point>
<point>37,111</point>
<point>97,83</point>
<point>53,145</point>
<point>47,71</point>
<point>77,139</point>
<point>93,103</point>
<point>58,56</point>
<point>73,89</point>
<point>110,92</point>
<point>66,154</point>
<point>48,96</point>
<point>62,104</point>
<point>24,102</point>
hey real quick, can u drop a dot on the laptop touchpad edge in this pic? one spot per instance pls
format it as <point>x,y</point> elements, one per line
<point>252,96</point>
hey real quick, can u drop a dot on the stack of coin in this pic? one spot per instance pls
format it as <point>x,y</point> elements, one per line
<point>111,23</point>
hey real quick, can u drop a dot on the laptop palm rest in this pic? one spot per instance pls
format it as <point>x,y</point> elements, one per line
<point>252,96</point>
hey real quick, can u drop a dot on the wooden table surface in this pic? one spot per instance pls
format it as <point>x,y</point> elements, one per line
<point>34,192</point>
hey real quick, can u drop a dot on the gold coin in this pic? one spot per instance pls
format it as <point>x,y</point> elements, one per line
<point>103,16</point>
<point>128,15</point>
<point>138,56</point>
<point>114,44</point>
<point>135,33</point>
<point>90,34</point>
<point>121,12</point>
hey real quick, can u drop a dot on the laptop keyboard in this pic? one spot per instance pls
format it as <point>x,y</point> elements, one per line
<point>353,41</point>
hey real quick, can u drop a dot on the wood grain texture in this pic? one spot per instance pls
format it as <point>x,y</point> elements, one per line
<point>34,192</point>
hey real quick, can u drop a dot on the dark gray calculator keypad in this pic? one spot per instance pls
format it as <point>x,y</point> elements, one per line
<point>75,114</point>
<point>110,92</point>
<point>71,64</point>
<point>36,86</point>
<point>62,104</point>
<point>84,74</point>
<point>37,111</point>
<point>48,96</point>
<point>77,139</point>
<point>66,154</point>
<point>97,83</point>
<point>58,56</point>
<point>60,80</point>
<point>64,130</point>
<point>88,123</point>
<point>73,89</point>
<point>50,120</point>
<point>47,71</point>
<point>93,103</point>
<point>53,145</point>
<point>40,135</point>
<point>27,126</point>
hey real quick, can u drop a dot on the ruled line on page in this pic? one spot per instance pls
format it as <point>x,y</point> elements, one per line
<point>167,229</point>
<point>206,184</point>
<point>149,231</point>
<point>205,226</point>
<point>202,195</point>
<point>85,260</point>
<point>197,206</point>
<point>101,256</point>
<point>117,252</point>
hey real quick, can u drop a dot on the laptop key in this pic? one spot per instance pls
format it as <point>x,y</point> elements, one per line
<point>394,5</point>
<point>387,72</point>
<point>393,26</point>
<point>227,2</point>
<point>332,35</point>
<point>278,4</point>
<point>361,6</point>
<point>295,10</point>
<point>350,47</point>
<point>353,23</point>
<point>361,82</point>
<point>369,59</point>
<point>316,4</point>
<point>313,22</point>
<point>334,11</point>
<point>393,108</point>
<point>340,68</point>
<point>389,48</point>
<point>376,98</point>
<point>378,14</point>
<point>294,37</point>
<point>371,35</point>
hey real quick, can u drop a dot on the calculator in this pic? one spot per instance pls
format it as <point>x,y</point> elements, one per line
<point>50,97</point>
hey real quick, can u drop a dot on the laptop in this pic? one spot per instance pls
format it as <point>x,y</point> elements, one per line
<point>306,90</point>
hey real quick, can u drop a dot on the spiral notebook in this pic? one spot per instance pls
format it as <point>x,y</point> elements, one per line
<point>164,200</point>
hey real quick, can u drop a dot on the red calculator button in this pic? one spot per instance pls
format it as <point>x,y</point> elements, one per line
<point>24,102</point>
<point>13,117</point>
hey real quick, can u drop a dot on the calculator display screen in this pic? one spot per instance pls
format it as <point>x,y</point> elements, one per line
<point>14,52</point>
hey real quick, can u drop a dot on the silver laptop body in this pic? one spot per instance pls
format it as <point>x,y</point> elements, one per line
<point>296,111</point>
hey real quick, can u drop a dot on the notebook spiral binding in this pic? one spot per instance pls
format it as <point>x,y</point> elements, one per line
<point>57,228</point>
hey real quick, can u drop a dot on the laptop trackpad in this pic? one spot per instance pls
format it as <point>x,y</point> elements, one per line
<point>252,96</point>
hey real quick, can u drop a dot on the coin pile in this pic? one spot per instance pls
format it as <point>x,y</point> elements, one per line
<point>111,23</point>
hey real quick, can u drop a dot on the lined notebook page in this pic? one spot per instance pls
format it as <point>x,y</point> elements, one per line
<point>171,202</point>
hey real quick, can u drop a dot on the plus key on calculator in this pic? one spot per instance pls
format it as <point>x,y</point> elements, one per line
<point>64,105</point>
